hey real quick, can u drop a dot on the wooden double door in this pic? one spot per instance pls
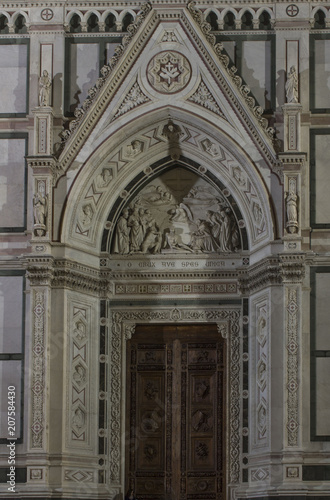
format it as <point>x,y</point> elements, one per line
<point>175,448</point>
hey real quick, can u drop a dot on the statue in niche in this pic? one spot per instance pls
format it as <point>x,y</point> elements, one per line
<point>182,213</point>
<point>40,210</point>
<point>291,208</point>
<point>44,88</point>
<point>104,178</point>
<point>291,86</point>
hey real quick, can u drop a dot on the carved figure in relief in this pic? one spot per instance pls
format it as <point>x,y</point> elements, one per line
<point>257,213</point>
<point>181,213</point>
<point>87,215</point>
<point>121,242</point>
<point>171,242</point>
<point>172,132</point>
<point>80,330</point>
<point>291,86</point>
<point>79,375</point>
<point>104,178</point>
<point>238,176</point>
<point>210,147</point>
<point>202,389</point>
<point>200,421</point>
<point>134,148</point>
<point>136,230</point>
<point>44,88</point>
<point>78,419</point>
<point>153,240</point>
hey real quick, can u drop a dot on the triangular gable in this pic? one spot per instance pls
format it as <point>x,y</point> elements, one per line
<point>182,67</point>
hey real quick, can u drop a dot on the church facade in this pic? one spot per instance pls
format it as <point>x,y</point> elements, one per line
<point>164,259</point>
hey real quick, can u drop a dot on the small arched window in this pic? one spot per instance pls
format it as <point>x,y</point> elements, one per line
<point>128,19</point>
<point>75,26</point>
<point>4,25</point>
<point>212,19</point>
<point>229,21</point>
<point>247,21</point>
<point>110,23</point>
<point>264,21</point>
<point>93,24</point>
<point>20,26</point>
<point>319,19</point>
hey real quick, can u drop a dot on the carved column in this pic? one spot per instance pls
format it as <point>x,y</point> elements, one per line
<point>40,274</point>
<point>292,270</point>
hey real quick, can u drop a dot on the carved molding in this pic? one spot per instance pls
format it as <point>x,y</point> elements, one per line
<point>259,276</point>
<point>66,274</point>
<point>122,327</point>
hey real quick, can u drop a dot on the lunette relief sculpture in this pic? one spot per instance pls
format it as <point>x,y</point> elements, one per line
<point>179,213</point>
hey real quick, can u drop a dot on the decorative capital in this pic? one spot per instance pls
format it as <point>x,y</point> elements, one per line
<point>260,276</point>
<point>292,267</point>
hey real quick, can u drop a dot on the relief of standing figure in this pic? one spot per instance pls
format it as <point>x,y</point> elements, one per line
<point>291,86</point>
<point>44,88</point>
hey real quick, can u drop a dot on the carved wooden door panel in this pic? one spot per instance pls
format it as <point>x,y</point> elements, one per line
<point>175,413</point>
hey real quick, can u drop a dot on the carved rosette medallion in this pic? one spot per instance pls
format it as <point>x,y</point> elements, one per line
<point>169,72</point>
